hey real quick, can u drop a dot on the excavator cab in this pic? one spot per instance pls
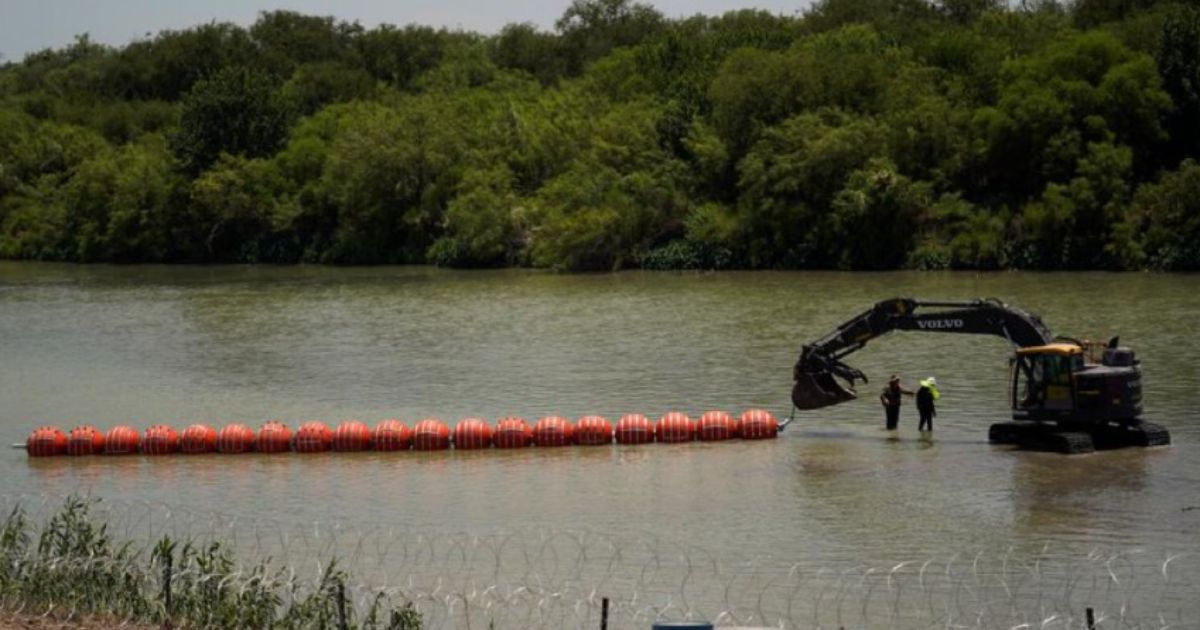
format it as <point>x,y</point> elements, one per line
<point>1043,379</point>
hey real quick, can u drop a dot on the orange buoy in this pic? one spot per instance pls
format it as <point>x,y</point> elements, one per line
<point>160,439</point>
<point>198,438</point>
<point>313,437</point>
<point>675,427</point>
<point>121,440</point>
<point>592,431</point>
<point>392,435</point>
<point>553,431</point>
<point>634,428</point>
<point>512,432</point>
<point>235,438</point>
<point>758,424</point>
<point>274,437</point>
<point>431,434</point>
<point>472,433</point>
<point>715,426</point>
<point>85,440</point>
<point>351,436</point>
<point>46,442</point>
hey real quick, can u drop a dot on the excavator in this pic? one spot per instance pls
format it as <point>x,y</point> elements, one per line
<point>1063,399</point>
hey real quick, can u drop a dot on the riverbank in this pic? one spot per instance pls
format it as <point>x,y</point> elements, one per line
<point>70,570</point>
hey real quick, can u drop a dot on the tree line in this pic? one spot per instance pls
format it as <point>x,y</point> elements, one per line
<point>859,134</point>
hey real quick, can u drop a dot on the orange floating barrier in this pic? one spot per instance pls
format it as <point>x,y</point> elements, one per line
<point>235,438</point>
<point>198,438</point>
<point>160,439</point>
<point>274,437</point>
<point>675,427</point>
<point>431,434</point>
<point>121,440</point>
<point>392,435</point>
<point>512,432</point>
<point>471,434</point>
<point>46,442</point>
<point>715,426</point>
<point>758,424</point>
<point>85,440</point>
<point>313,437</point>
<point>634,428</point>
<point>593,431</point>
<point>351,436</point>
<point>553,431</point>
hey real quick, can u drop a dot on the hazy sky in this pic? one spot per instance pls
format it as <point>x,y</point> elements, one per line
<point>31,25</point>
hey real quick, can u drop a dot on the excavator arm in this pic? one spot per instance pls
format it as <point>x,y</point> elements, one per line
<point>820,364</point>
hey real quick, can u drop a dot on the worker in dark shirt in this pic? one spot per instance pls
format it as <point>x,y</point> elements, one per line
<point>890,399</point>
<point>926,394</point>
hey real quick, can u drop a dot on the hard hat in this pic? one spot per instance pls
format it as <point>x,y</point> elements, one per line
<point>932,381</point>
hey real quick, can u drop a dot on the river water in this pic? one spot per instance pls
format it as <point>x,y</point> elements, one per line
<point>144,345</point>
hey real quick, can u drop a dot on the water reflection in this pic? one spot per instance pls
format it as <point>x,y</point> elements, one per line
<point>1099,497</point>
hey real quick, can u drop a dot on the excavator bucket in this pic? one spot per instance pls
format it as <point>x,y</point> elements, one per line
<point>816,390</point>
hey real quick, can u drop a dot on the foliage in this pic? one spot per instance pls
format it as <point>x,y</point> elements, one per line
<point>237,111</point>
<point>72,566</point>
<point>789,181</point>
<point>860,134</point>
<point>1178,58</point>
<point>1166,216</point>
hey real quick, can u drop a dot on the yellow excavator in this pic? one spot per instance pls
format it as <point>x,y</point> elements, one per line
<point>1067,396</point>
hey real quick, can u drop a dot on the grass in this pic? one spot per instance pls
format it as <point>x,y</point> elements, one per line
<point>70,568</point>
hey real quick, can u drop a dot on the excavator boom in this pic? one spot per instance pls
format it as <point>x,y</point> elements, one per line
<point>820,364</point>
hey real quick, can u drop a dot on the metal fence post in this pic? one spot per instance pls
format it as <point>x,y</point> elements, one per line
<point>167,586</point>
<point>341,606</point>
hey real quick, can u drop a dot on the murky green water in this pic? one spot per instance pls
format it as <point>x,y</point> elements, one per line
<point>144,345</point>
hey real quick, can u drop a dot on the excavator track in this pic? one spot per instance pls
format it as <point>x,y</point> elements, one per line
<point>1150,434</point>
<point>1141,433</point>
<point>1035,436</point>
<point>1046,437</point>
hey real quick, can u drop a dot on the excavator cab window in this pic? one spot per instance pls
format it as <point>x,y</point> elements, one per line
<point>1043,381</point>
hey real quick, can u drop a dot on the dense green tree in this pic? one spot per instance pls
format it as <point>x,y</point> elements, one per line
<point>1166,217</point>
<point>591,28</point>
<point>788,182</point>
<point>117,205</point>
<point>1071,225</point>
<point>237,111</point>
<point>1178,58</point>
<point>167,66</point>
<point>875,217</point>
<point>315,85</point>
<point>287,39</point>
<point>615,201</point>
<point>860,134</point>
<point>956,234</point>
<point>525,47</point>
<point>234,207</point>
<point>1090,13</point>
<point>400,55</point>
<point>1089,88</point>
<point>480,226</point>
